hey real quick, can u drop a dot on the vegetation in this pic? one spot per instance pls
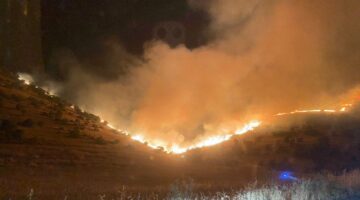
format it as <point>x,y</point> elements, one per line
<point>100,140</point>
<point>327,144</point>
<point>74,133</point>
<point>28,123</point>
<point>9,131</point>
<point>321,187</point>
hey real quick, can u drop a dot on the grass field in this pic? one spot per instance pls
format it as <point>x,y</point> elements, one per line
<point>345,186</point>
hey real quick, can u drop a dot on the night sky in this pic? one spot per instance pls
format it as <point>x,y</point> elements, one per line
<point>81,27</point>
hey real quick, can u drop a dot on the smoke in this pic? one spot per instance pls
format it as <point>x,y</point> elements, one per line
<point>265,57</point>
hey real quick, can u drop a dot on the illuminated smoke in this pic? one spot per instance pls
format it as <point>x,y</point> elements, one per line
<point>265,57</point>
<point>27,78</point>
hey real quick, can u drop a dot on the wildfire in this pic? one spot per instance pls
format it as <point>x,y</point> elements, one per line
<point>176,149</point>
<point>214,140</point>
<point>204,142</point>
<point>344,108</point>
<point>217,139</point>
<point>28,80</point>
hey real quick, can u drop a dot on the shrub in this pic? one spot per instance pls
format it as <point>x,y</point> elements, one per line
<point>16,135</point>
<point>20,108</point>
<point>7,125</point>
<point>115,142</point>
<point>58,115</point>
<point>15,97</point>
<point>27,123</point>
<point>9,131</point>
<point>75,133</point>
<point>91,117</point>
<point>100,140</point>
<point>34,102</point>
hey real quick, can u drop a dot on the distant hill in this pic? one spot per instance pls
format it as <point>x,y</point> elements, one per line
<point>303,143</point>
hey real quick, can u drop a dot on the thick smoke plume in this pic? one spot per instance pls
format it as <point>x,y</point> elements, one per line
<point>265,57</point>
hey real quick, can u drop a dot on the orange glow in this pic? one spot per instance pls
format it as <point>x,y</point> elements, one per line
<point>200,143</point>
<point>176,149</point>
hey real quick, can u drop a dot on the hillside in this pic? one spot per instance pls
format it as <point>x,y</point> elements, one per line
<point>302,143</point>
<point>48,145</point>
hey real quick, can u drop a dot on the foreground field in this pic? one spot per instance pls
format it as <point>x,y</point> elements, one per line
<point>321,187</point>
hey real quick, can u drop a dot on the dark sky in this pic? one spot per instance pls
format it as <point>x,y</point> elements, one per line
<point>82,26</point>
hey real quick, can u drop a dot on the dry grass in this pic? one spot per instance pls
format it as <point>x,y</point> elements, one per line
<point>321,187</point>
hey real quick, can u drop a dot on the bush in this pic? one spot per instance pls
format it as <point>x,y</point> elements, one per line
<point>115,142</point>
<point>6,125</point>
<point>34,102</point>
<point>91,117</point>
<point>16,135</point>
<point>15,97</point>
<point>58,115</point>
<point>20,108</point>
<point>9,131</point>
<point>27,123</point>
<point>75,133</point>
<point>100,140</point>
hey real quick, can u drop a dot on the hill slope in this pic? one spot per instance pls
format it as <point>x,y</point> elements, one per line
<point>56,149</point>
<point>47,143</point>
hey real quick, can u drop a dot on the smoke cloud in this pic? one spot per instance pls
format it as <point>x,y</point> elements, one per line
<point>265,57</point>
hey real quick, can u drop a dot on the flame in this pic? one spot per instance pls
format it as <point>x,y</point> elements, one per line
<point>138,138</point>
<point>176,149</point>
<point>342,109</point>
